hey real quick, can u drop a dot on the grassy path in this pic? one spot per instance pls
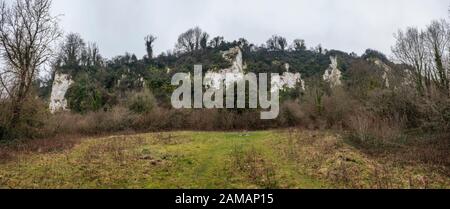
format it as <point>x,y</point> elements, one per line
<point>208,161</point>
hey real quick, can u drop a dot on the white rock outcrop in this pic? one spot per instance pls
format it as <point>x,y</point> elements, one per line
<point>235,73</point>
<point>386,71</point>
<point>288,80</point>
<point>333,75</point>
<point>60,86</point>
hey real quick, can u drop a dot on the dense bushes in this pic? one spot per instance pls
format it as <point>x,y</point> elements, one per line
<point>158,119</point>
<point>382,116</point>
<point>116,120</point>
<point>142,102</point>
<point>31,124</point>
<point>83,96</point>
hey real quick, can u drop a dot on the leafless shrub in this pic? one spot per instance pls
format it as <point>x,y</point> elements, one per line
<point>337,107</point>
<point>293,114</point>
<point>31,124</point>
<point>118,119</point>
<point>366,127</point>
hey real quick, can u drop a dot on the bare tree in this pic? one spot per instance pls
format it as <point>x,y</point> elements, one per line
<point>27,34</point>
<point>149,40</point>
<point>204,40</point>
<point>277,43</point>
<point>299,45</point>
<point>410,49</point>
<point>437,39</point>
<point>216,42</point>
<point>427,52</point>
<point>74,53</point>
<point>192,40</point>
<point>91,56</point>
<point>72,50</point>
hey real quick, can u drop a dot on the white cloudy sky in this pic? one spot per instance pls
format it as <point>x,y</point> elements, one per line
<point>119,26</point>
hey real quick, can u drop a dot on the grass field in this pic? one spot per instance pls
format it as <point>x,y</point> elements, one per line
<point>265,159</point>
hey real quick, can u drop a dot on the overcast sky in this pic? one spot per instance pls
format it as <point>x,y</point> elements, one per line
<point>119,26</point>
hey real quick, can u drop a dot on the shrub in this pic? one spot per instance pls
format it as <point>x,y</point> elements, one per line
<point>292,114</point>
<point>337,107</point>
<point>142,102</point>
<point>86,95</point>
<point>31,123</point>
<point>369,128</point>
<point>115,120</point>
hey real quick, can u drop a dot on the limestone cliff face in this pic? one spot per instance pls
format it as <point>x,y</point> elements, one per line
<point>60,86</point>
<point>288,80</point>
<point>333,75</point>
<point>235,73</point>
<point>234,55</point>
<point>386,71</point>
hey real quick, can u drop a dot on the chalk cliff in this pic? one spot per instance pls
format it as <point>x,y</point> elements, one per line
<point>61,84</point>
<point>333,75</point>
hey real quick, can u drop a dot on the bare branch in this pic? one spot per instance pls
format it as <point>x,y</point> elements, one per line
<point>27,33</point>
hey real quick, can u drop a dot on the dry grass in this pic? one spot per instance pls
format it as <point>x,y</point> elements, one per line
<point>257,169</point>
<point>337,160</point>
